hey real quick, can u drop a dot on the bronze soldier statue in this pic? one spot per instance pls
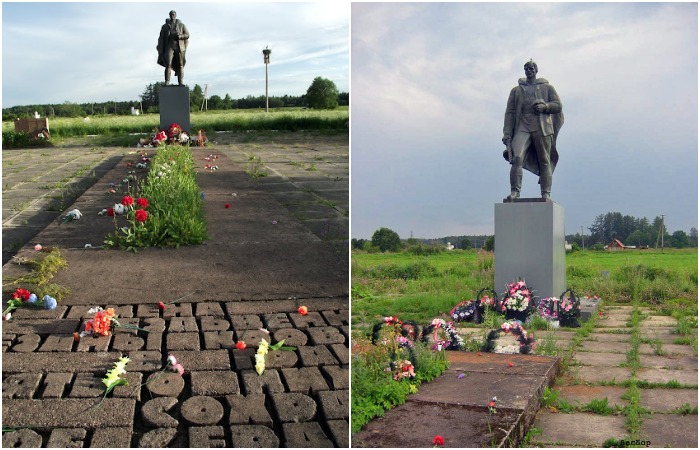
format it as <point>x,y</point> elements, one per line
<point>172,45</point>
<point>532,122</point>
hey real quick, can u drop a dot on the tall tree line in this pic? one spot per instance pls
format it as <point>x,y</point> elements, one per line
<point>148,103</point>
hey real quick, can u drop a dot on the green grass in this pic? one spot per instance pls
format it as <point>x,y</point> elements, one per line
<point>281,119</point>
<point>424,286</point>
<point>175,209</point>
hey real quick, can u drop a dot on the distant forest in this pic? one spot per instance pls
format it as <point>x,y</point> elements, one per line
<point>148,103</point>
<point>631,231</point>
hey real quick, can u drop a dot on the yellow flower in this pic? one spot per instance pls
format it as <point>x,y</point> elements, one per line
<point>259,364</point>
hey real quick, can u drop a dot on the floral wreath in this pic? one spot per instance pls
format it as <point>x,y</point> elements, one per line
<point>473,310</point>
<point>515,327</point>
<point>517,297</point>
<point>546,308</point>
<point>408,331</point>
<point>454,341</point>
<point>569,309</point>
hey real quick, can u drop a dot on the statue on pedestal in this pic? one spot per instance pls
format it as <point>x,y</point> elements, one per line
<point>172,45</point>
<point>531,126</point>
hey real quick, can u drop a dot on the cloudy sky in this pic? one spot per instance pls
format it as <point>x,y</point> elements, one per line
<point>85,52</point>
<point>429,89</point>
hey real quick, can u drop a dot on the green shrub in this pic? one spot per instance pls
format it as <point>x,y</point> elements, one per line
<point>410,271</point>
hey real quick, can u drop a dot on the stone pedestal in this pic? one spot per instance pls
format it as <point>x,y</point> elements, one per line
<point>174,105</point>
<point>530,245</point>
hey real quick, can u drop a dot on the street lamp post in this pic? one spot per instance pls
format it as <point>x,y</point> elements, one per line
<point>266,57</point>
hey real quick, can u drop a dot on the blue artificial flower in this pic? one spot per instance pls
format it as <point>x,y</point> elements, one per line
<point>50,302</point>
<point>32,298</point>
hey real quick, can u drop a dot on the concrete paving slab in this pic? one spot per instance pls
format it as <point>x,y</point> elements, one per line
<point>518,382</point>
<point>578,429</point>
<point>580,395</point>
<point>600,359</point>
<point>668,362</point>
<point>414,424</point>
<point>685,377</point>
<point>667,349</point>
<point>601,374</point>
<point>609,347</point>
<point>609,337</point>
<point>661,400</point>
<point>659,321</point>
<point>662,430</point>
<point>611,323</point>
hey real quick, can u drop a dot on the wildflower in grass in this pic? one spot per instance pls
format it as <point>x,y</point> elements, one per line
<point>142,203</point>
<point>303,310</point>
<point>141,215</point>
<point>438,440</point>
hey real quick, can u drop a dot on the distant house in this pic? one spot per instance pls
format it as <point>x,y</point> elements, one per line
<point>567,247</point>
<point>616,245</point>
<point>450,246</point>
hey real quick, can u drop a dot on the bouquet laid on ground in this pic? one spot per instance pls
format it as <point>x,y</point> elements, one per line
<point>23,298</point>
<point>103,323</point>
<point>173,135</point>
<point>263,349</point>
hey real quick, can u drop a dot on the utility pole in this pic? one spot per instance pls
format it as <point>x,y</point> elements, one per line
<point>266,58</point>
<point>205,100</point>
<point>661,234</point>
<point>583,245</point>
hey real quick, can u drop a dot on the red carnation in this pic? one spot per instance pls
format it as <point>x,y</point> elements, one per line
<point>303,310</point>
<point>127,200</point>
<point>161,306</point>
<point>438,440</point>
<point>141,215</point>
<point>110,212</point>
<point>240,345</point>
<point>22,293</point>
<point>142,203</point>
<point>227,205</point>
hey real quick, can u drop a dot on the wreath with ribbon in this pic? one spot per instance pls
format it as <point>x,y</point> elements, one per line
<point>453,342</point>
<point>569,309</point>
<point>473,310</point>
<point>527,343</point>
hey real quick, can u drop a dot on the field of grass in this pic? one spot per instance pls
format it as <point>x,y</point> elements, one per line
<point>423,287</point>
<point>286,119</point>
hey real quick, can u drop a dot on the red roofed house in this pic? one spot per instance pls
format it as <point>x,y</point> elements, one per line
<point>615,245</point>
